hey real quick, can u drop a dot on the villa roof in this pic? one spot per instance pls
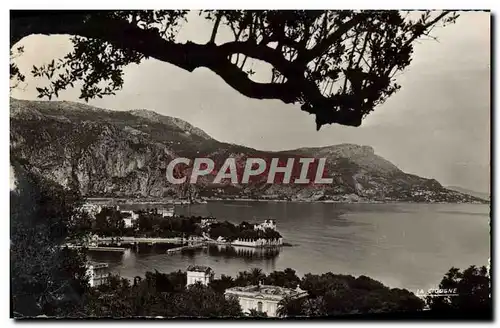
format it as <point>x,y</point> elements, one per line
<point>199,268</point>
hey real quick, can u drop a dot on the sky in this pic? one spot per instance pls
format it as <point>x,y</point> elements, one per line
<point>437,126</point>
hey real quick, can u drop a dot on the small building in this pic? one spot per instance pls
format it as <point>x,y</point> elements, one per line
<point>128,222</point>
<point>91,209</point>
<point>199,273</point>
<point>97,273</point>
<point>263,298</point>
<point>267,224</point>
<point>93,240</point>
<point>205,222</point>
<point>129,217</point>
<point>132,214</point>
<point>167,212</point>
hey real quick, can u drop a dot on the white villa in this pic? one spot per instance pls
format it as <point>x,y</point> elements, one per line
<point>263,298</point>
<point>261,242</point>
<point>97,273</point>
<point>267,224</point>
<point>199,273</point>
<point>130,217</point>
<point>133,215</point>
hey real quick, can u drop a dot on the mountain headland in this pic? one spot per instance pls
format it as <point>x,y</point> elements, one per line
<point>112,153</point>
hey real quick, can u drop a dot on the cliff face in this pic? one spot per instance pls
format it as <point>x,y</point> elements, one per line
<point>125,154</point>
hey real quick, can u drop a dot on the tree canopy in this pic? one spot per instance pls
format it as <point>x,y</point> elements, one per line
<point>338,65</point>
<point>472,291</point>
<point>337,294</point>
<point>45,278</point>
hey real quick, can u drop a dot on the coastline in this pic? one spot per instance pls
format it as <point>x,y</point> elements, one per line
<point>160,201</point>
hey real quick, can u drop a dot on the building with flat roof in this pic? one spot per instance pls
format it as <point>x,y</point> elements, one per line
<point>98,273</point>
<point>199,273</point>
<point>263,298</point>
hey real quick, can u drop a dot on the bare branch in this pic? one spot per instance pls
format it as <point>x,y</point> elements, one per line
<point>216,27</point>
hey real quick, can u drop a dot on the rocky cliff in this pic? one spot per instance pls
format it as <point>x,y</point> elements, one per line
<point>125,153</point>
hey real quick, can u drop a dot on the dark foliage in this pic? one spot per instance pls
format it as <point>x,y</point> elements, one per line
<point>470,291</point>
<point>244,230</point>
<point>332,294</point>
<point>159,294</point>
<point>45,278</point>
<point>109,222</point>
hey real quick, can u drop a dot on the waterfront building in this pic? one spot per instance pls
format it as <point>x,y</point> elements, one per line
<point>195,239</point>
<point>221,239</point>
<point>205,222</point>
<point>260,242</point>
<point>167,212</point>
<point>250,252</point>
<point>267,224</point>
<point>97,273</point>
<point>199,273</point>
<point>263,298</point>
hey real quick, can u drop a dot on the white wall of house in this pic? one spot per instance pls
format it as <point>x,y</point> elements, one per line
<point>97,276</point>
<point>270,307</point>
<point>128,222</point>
<point>194,276</point>
<point>90,274</point>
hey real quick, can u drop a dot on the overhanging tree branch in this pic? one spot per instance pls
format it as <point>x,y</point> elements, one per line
<point>139,34</point>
